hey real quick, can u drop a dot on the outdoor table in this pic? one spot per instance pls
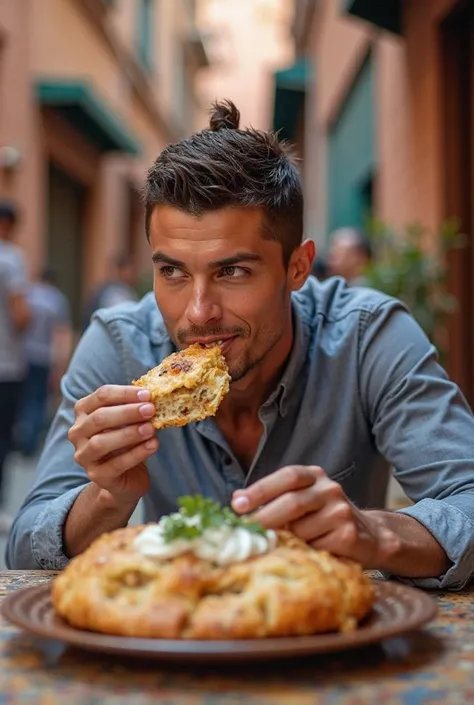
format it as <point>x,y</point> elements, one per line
<point>432,665</point>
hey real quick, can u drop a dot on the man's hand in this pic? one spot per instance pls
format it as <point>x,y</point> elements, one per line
<point>304,500</point>
<point>113,436</point>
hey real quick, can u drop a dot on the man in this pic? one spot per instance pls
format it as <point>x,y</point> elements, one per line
<point>47,346</point>
<point>14,317</point>
<point>319,268</point>
<point>118,289</point>
<point>324,378</point>
<point>350,253</point>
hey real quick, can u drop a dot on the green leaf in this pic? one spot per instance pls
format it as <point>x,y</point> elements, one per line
<point>209,515</point>
<point>411,265</point>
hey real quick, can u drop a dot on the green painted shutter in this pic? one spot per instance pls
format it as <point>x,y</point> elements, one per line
<point>351,155</point>
<point>145,31</point>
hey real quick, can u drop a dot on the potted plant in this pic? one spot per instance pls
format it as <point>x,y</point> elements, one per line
<point>412,266</point>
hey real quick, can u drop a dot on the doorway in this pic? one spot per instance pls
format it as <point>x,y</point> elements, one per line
<point>457,42</point>
<point>65,227</point>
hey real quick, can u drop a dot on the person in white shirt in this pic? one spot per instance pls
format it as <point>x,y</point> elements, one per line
<point>47,346</point>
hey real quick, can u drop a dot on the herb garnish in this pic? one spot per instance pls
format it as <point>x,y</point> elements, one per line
<point>206,514</point>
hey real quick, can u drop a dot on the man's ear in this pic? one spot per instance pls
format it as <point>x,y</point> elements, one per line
<point>300,264</point>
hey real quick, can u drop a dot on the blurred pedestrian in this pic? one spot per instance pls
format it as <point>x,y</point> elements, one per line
<point>319,268</point>
<point>120,287</point>
<point>350,253</point>
<point>47,346</point>
<point>14,318</point>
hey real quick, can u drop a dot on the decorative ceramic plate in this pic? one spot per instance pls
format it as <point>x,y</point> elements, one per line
<point>398,609</point>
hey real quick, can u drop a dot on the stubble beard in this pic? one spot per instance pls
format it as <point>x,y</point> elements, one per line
<point>250,362</point>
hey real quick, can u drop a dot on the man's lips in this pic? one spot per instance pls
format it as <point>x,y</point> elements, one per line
<point>223,342</point>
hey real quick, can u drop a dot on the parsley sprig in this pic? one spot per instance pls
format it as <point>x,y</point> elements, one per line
<point>207,514</point>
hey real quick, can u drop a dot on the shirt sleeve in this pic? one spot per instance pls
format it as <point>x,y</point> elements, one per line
<point>15,276</point>
<point>36,537</point>
<point>115,295</point>
<point>424,427</point>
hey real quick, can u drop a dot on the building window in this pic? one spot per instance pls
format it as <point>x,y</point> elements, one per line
<point>352,159</point>
<point>183,90</point>
<point>145,32</point>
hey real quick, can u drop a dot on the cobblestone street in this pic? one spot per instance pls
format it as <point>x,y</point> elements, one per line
<point>20,474</point>
<point>19,478</point>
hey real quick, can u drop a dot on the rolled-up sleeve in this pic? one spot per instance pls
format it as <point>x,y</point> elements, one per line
<point>424,427</point>
<point>36,537</point>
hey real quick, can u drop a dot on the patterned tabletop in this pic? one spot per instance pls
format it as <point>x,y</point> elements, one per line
<point>434,665</point>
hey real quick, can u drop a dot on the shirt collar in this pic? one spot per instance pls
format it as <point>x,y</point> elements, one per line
<point>291,375</point>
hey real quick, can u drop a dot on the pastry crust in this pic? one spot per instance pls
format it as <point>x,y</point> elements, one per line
<point>187,385</point>
<point>291,590</point>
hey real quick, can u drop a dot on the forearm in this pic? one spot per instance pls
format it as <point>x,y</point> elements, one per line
<point>417,554</point>
<point>94,512</point>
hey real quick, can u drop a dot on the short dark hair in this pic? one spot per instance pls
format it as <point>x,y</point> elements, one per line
<point>224,166</point>
<point>122,259</point>
<point>49,275</point>
<point>8,211</point>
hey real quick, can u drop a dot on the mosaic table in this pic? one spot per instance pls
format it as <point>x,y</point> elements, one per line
<point>434,665</point>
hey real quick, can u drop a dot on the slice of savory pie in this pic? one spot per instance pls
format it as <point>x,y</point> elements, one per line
<point>206,573</point>
<point>187,385</point>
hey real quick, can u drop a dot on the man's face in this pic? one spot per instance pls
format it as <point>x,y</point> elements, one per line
<point>7,229</point>
<point>345,259</point>
<point>126,274</point>
<point>217,278</point>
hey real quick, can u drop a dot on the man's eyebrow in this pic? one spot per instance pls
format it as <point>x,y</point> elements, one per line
<point>235,259</point>
<point>161,257</point>
<point>238,258</point>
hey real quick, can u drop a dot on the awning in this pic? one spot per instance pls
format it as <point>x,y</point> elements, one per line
<point>386,14</point>
<point>290,90</point>
<point>80,105</point>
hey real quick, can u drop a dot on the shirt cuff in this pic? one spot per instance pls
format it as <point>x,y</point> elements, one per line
<point>47,536</point>
<point>454,531</point>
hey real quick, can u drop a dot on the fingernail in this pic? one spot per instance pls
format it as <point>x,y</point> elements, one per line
<point>147,410</point>
<point>143,395</point>
<point>145,430</point>
<point>241,504</point>
<point>151,444</point>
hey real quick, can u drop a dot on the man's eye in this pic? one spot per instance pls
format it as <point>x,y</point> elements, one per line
<point>169,272</point>
<point>233,272</point>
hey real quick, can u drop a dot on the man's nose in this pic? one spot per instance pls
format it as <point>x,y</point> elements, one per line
<point>203,307</point>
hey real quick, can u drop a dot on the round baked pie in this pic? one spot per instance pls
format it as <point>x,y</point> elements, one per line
<point>205,573</point>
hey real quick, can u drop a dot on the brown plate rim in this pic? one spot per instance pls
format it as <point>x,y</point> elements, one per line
<point>422,608</point>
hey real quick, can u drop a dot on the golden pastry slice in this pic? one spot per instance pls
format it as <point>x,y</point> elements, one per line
<point>207,574</point>
<point>187,385</point>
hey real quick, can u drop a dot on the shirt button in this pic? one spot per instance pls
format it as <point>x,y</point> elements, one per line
<point>227,460</point>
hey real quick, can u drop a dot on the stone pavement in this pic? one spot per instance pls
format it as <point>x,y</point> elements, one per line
<point>20,476</point>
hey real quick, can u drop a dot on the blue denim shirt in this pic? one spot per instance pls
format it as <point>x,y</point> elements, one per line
<point>362,381</point>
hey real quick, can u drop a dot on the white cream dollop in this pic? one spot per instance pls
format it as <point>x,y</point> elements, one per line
<point>222,545</point>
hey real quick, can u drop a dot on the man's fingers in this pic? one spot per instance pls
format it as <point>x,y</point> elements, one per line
<point>102,444</point>
<point>110,417</point>
<point>111,395</point>
<point>106,474</point>
<point>292,477</point>
<point>290,507</point>
<point>320,523</point>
